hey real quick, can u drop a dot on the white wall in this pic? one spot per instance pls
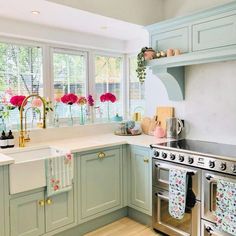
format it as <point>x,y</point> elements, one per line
<point>210,105</point>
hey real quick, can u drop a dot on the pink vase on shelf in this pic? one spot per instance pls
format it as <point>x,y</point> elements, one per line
<point>159,132</point>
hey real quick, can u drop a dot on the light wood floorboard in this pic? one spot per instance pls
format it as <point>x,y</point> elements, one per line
<point>124,227</point>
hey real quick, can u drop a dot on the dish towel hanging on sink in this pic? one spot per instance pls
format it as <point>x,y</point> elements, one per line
<point>59,174</point>
<point>177,192</point>
<point>226,206</point>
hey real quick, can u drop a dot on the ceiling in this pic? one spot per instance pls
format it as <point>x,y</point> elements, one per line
<point>61,16</point>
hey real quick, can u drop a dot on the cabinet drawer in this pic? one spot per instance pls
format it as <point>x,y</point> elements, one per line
<point>177,38</point>
<point>216,33</point>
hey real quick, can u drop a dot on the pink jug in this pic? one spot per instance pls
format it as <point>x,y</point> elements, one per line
<point>159,132</point>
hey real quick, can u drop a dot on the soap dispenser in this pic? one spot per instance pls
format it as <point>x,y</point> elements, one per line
<point>10,140</point>
<point>3,140</point>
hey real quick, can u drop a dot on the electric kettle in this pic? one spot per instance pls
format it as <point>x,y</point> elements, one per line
<point>174,126</point>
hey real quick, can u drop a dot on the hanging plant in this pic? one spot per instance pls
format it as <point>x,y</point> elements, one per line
<point>144,55</point>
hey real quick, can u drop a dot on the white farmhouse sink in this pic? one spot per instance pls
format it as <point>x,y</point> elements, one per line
<point>28,171</point>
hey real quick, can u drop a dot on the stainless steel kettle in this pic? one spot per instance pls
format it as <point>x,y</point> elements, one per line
<point>174,126</point>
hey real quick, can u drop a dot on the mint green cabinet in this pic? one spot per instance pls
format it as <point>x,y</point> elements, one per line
<point>140,179</point>
<point>176,38</point>
<point>59,211</point>
<point>214,33</point>
<point>2,222</point>
<point>34,214</point>
<point>100,183</point>
<point>27,215</point>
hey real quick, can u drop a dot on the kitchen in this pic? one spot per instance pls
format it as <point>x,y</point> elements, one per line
<point>202,95</point>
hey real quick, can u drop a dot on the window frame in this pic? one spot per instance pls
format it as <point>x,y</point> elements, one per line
<point>48,48</point>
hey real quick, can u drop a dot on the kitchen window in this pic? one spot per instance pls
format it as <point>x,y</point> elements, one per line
<point>108,78</point>
<point>20,73</point>
<point>69,76</point>
<point>136,89</point>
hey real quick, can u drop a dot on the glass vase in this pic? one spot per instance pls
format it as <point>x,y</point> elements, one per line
<point>82,116</point>
<point>91,114</point>
<point>108,112</point>
<point>70,116</point>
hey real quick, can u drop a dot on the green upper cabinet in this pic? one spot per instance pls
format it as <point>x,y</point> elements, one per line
<point>27,215</point>
<point>140,184</point>
<point>100,182</point>
<point>59,210</point>
<point>2,223</point>
<point>177,38</point>
<point>214,33</point>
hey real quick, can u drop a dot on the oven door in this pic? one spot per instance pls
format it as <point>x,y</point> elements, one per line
<point>209,229</point>
<point>209,189</point>
<point>164,222</point>
<point>160,176</point>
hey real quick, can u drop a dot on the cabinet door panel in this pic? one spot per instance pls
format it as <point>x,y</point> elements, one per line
<point>2,223</point>
<point>140,179</point>
<point>100,182</point>
<point>59,211</point>
<point>215,33</point>
<point>27,216</point>
<point>171,39</point>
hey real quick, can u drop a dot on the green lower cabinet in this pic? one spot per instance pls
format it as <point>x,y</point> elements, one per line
<point>140,179</point>
<point>2,222</point>
<point>27,215</point>
<point>100,183</point>
<point>33,214</point>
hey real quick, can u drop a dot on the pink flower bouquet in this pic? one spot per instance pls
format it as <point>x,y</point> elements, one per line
<point>17,101</point>
<point>69,98</point>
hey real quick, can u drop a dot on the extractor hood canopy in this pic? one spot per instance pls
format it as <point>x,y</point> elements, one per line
<point>204,37</point>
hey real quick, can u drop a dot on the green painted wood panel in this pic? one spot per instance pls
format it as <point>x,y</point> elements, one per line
<point>140,179</point>
<point>27,216</point>
<point>2,222</point>
<point>100,182</point>
<point>60,212</point>
<point>220,32</point>
<point>177,38</point>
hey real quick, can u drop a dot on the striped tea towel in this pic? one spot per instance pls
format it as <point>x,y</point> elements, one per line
<point>59,174</point>
<point>177,192</point>
<point>226,206</point>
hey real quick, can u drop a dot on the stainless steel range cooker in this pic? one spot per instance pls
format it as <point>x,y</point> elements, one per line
<point>207,162</point>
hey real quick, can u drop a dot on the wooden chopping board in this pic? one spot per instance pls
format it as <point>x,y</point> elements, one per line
<point>145,124</point>
<point>163,113</point>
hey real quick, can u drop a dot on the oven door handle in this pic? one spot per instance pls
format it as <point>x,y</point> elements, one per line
<point>210,231</point>
<point>214,178</point>
<point>161,195</point>
<point>168,167</point>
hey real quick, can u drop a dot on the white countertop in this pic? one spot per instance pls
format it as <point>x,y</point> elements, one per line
<point>86,143</point>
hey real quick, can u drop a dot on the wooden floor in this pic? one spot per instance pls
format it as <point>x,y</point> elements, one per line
<point>124,227</point>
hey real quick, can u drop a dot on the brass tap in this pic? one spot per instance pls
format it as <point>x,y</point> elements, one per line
<point>22,138</point>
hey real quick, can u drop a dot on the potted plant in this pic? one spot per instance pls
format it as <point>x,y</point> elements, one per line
<point>144,55</point>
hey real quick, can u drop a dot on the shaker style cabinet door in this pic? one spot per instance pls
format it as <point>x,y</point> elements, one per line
<point>177,38</point>
<point>220,32</point>
<point>27,215</point>
<point>140,179</point>
<point>2,223</point>
<point>59,210</point>
<point>101,179</point>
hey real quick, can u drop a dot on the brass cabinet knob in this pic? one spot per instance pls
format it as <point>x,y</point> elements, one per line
<point>146,160</point>
<point>101,155</point>
<point>49,201</point>
<point>41,203</point>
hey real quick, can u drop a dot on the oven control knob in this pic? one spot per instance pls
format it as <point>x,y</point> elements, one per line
<point>223,166</point>
<point>211,164</point>
<point>233,168</point>
<point>172,156</point>
<point>181,158</point>
<point>164,155</point>
<point>190,160</point>
<point>156,153</point>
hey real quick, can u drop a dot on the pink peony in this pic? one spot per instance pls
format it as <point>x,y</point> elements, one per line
<point>37,102</point>
<point>17,100</point>
<point>108,97</point>
<point>57,98</point>
<point>69,98</point>
<point>90,100</point>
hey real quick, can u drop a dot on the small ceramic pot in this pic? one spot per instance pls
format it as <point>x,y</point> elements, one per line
<point>177,52</point>
<point>163,54</point>
<point>170,52</point>
<point>149,54</point>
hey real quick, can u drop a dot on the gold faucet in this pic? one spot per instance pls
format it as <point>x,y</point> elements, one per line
<point>22,138</point>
